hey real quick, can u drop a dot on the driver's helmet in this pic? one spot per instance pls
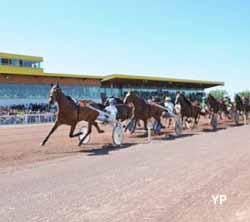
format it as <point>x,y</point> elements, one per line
<point>167,99</point>
<point>112,101</point>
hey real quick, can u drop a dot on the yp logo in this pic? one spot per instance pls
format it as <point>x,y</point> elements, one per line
<point>219,199</point>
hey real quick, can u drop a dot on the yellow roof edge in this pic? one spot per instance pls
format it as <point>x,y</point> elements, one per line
<point>68,75</point>
<point>120,76</point>
<point>20,56</point>
<point>59,75</point>
<point>152,78</point>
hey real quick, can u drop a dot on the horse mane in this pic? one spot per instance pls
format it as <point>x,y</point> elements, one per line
<point>71,99</point>
<point>238,99</point>
<point>186,99</point>
<point>213,98</point>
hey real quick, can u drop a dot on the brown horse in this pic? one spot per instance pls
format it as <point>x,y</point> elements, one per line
<point>188,109</point>
<point>242,106</point>
<point>217,106</point>
<point>142,110</point>
<point>70,113</point>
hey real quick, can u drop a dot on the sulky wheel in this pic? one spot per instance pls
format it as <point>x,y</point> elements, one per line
<point>178,126</point>
<point>214,121</point>
<point>118,134</point>
<point>84,131</point>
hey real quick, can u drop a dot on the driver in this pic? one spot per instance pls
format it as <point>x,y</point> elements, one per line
<point>112,110</point>
<point>169,105</point>
<point>227,102</point>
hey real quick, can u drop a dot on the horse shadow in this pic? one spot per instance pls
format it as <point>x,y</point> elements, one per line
<point>236,125</point>
<point>210,130</point>
<point>144,135</point>
<point>171,137</point>
<point>106,149</point>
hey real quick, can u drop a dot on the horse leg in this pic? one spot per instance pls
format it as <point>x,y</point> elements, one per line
<point>97,127</point>
<point>138,123</point>
<point>196,120</point>
<point>130,121</point>
<point>72,129</point>
<point>89,131</point>
<point>169,122</point>
<point>220,114</point>
<point>51,131</point>
<point>158,119</point>
<point>145,126</point>
<point>245,118</point>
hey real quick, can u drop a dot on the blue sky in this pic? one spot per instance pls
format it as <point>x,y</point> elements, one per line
<point>207,40</point>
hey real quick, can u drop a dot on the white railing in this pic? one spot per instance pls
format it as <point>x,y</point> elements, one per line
<point>27,118</point>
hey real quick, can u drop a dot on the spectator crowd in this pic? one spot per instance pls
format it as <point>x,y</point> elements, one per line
<point>27,113</point>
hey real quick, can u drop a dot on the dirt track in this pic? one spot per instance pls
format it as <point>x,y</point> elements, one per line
<point>21,144</point>
<point>167,180</point>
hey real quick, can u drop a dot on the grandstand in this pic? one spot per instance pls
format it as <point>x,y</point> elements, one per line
<point>23,80</point>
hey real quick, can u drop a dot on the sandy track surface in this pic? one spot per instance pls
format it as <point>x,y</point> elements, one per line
<point>21,144</point>
<point>165,181</point>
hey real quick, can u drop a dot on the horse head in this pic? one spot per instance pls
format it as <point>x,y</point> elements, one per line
<point>55,91</point>
<point>177,103</point>
<point>129,98</point>
<point>177,99</point>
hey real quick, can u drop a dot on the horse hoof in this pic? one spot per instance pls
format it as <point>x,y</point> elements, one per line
<point>42,144</point>
<point>101,131</point>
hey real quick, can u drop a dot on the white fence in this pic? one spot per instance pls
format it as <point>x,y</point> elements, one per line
<point>27,118</point>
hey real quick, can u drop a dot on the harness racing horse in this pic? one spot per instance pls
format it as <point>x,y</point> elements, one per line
<point>217,107</point>
<point>213,104</point>
<point>142,110</point>
<point>124,111</point>
<point>70,113</point>
<point>187,109</point>
<point>226,108</point>
<point>242,106</point>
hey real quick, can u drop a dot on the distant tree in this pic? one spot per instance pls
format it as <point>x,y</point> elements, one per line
<point>218,93</point>
<point>245,93</point>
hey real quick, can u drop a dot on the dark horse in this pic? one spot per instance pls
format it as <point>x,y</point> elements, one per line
<point>213,104</point>
<point>242,106</point>
<point>217,107</point>
<point>142,110</point>
<point>187,109</point>
<point>70,113</point>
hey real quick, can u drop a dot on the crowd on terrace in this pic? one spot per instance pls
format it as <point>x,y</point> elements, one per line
<point>41,108</point>
<point>20,109</point>
<point>27,113</point>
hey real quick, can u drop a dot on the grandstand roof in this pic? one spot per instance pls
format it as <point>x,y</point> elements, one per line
<point>105,80</point>
<point>125,77</point>
<point>22,57</point>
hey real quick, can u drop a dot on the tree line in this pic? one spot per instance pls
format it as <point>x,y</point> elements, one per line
<point>221,93</point>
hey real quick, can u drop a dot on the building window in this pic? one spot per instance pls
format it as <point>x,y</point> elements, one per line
<point>21,63</point>
<point>15,62</point>
<point>6,62</point>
